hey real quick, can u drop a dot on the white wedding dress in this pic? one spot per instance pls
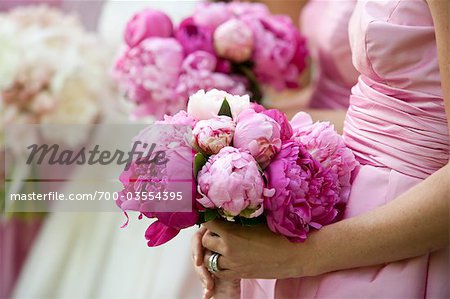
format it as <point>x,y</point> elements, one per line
<point>88,255</point>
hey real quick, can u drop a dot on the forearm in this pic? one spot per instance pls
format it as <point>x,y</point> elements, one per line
<point>414,224</point>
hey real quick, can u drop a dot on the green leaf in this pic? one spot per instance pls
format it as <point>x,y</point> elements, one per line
<point>225,108</point>
<point>199,162</point>
<point>210,215</point>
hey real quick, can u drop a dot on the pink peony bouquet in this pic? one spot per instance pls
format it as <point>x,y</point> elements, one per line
<point>236,47</point>
<point>246,165</point>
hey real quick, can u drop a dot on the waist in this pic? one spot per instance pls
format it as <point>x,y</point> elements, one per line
<point>403,131</point>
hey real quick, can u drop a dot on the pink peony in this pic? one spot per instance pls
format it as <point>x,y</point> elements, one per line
<point>180,118</point>
<point>279,52</point>
<point>145,24</point>
<point>194,37</point>
<point>281,119</point>
<point>257,107</point>
<point>206,105</point>
<point>199,72</point>
<point>231,181</point>
<point>148,74</point>
<point>211,135</point>
<point>211,14</point>
<point>259,134</point>
<point>327,147</point>
<point>240,9</point>
<point>144,177</point>
<point>234,40</point>
<point>305,194</point>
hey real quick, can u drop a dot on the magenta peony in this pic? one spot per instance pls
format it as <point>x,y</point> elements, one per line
<point>231,181</point>
<point>281,119</point>
<point>327,147</point>
<point>142,178</point>
<point>148,74</point>
<point>194,37</point>
<point>234,40</point>
<point>279,52</point>
<point>211,135</point>
<point>305,193</point>
<point>206,105</point>
<point>259,134</point>
<point>147,23</point>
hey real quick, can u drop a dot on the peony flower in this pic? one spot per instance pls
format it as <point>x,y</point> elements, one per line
<point>240,9</point>
<point>199,72</point>
<point>231,181</point>
<point>259,134</point>
<point>148,75</point>
<point>147,23</point>
<point>327,147</point>
<point>145,177</point>
<point>211,14</point>
<point>206,105</point>
<point>257,107</point>
<point>281,119</point>
<point>234,40</point>
<point>194,37</point>
<point>305,196</point>
<point>180,118</point>
<point>279,50</point>
<point>213,134</point>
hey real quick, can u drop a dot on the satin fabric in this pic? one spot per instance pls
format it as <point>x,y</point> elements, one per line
<point>397,128</point>
<point>324,24</point>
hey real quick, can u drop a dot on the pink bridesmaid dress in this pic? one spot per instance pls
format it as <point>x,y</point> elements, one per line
<point>325,25</point>
<point>397,127</point>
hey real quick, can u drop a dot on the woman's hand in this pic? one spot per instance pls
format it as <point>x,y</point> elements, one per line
<point>250,252</point>
<point>198,254</point>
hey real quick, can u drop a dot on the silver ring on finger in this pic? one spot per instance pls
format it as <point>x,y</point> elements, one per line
<point>213,263</point>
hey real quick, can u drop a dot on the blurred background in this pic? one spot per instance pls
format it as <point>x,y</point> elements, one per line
<point>84,255</point>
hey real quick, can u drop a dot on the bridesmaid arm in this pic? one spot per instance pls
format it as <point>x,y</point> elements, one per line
<point>415,223</point>
<point>440,11</point>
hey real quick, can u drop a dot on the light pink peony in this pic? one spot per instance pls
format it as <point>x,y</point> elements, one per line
<point>211,135</point>
<point>240,9</point>
<point>234,40</point>
<point>281,119</point>
<point>206,105</point>
<point>147,23</point>
<point>257,107</point>
<point>231,181</point>
<point>199,71</point>
<point>259,134</point>
<point>279,51</point>
<point>148,74</point>
<point>327,147</point>
<point>305,194</point>
<point>180,118</point>
<point>211,14</point>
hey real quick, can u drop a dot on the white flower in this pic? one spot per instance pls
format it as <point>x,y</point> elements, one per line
<point>206,105</point>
